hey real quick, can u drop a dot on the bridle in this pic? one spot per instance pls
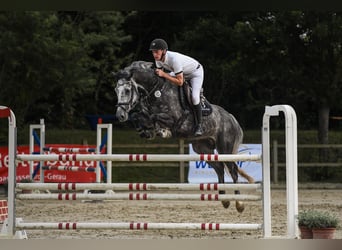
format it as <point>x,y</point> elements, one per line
<point>130,104</point>
<point>143,96</point>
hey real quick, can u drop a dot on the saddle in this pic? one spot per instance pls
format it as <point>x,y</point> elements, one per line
<point>186,101</point>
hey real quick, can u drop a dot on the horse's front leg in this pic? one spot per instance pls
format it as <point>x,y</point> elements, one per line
<point>161,129</point>
<point>143,125</point>
<point>164,133</point>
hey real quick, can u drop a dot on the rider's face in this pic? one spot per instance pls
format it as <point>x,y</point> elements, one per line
<point>157,54</point>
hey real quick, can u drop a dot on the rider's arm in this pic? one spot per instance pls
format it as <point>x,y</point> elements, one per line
<point>177,79</point>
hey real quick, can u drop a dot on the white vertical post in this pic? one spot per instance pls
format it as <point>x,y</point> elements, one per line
<point>12,149</point>
<point>266,173</point>
<point>109,151</point>
<point>97,151</point>
<point>291,169</point>
<point>41,149</point>
<point>181,163</point>
<point>31,148</point>
<point>109,145</point>
<point>41,128</point>
<point>275,161</point>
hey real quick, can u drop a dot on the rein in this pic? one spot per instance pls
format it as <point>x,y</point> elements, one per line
<point>144,96</point>
<point>147,94</point>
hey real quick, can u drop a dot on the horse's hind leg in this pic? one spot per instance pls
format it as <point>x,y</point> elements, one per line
<point>206,147</point>
<point>219,169</point>
<point>233,171</point>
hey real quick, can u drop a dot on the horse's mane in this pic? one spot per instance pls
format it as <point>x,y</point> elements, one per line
<point>136,66</point>
<point>143,73</point>
<point>140,65</point>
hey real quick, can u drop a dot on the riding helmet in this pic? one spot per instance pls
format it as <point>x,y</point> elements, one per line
<point>158,44</point>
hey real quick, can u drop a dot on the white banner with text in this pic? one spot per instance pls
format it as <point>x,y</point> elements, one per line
<point>202,172</point>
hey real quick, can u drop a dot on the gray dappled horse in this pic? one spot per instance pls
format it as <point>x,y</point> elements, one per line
<point>155,105</point>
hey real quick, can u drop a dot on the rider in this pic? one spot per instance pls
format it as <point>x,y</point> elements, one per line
<point>183,68</point>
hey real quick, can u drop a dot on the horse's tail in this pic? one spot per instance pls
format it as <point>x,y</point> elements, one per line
<point>237,143</point>
<point>238,136</point>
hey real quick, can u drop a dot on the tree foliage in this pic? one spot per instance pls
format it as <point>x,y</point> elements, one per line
<point>57,65</point>
<point>253,59</point>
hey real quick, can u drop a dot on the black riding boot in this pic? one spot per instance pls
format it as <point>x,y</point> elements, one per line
<point>198,120</point>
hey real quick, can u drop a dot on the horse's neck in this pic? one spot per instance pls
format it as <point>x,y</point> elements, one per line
<point>153,83</point>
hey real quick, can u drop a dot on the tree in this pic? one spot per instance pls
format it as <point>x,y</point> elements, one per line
<point>37,65</point>
<point>253,59</point>
<point>101,37</point>
<point>52,63</point>
<point>318,63</point>
<point>242,54</point>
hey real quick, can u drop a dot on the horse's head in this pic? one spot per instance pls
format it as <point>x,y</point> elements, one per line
<point>128,96</point>
<point>129,86</point>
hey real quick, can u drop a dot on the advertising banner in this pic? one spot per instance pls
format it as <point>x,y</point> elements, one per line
<point>202,172</point>
<point>23,170</point>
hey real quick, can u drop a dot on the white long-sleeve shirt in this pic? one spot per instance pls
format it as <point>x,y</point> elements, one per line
<point>178,63</point>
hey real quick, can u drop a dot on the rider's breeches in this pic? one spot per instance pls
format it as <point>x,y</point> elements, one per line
<point>196,81</point>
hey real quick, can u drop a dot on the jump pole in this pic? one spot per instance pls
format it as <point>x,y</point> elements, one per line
<point>140,197</point>
<point>141,186</point>
<point>140,157</point>
<point>135,226</point>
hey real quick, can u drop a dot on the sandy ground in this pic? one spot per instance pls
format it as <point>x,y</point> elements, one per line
<point>170,211</point>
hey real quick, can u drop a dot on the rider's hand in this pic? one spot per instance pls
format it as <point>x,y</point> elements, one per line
<point>159,72</point>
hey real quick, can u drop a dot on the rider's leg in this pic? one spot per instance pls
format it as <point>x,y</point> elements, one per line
<point>196,84</point>
<point>198,120</point>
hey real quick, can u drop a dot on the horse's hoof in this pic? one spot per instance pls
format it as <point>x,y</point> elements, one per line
<point>226,204</point>
<point>240,207</point>
<point>250,180</point>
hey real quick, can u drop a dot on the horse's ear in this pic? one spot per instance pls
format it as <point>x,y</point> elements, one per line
<point>115,75</point>
<point>147,65</point>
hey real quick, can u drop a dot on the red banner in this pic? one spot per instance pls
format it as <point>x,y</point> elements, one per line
<point>23,168</point>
